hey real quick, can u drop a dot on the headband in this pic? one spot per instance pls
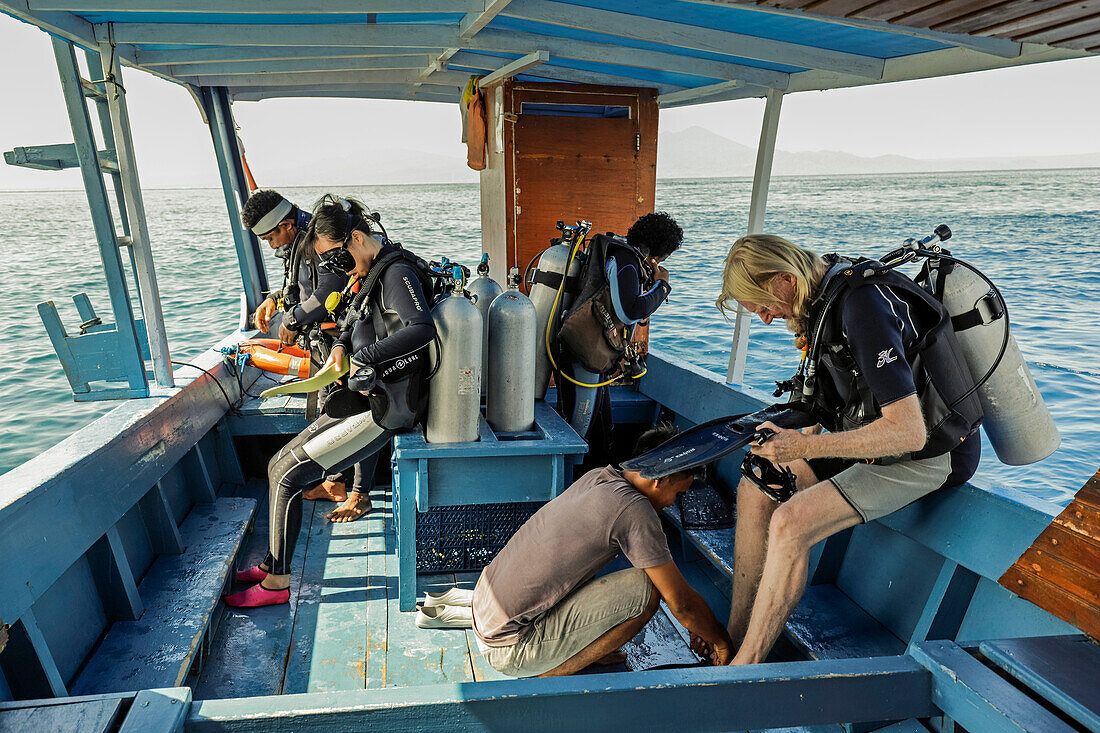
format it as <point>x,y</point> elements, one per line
<point>272,218</point>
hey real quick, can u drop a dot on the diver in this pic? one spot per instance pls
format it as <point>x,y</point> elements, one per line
<point>891,388</point>
<point>537,608</point>
<point>281,224</point>
<point>636,284</point>
<point>386,387</point>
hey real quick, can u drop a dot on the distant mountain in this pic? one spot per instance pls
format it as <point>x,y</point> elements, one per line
<point>701,153</point>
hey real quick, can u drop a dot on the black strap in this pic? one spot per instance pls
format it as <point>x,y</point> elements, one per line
<point>553,280</point>
<point>975,317</point>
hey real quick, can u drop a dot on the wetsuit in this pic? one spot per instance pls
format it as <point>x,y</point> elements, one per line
<point>633,304</point>
<point>331,444</point>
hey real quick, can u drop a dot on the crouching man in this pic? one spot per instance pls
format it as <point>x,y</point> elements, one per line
<point>538,609</point>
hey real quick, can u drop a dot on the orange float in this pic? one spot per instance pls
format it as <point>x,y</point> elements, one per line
<point>272,356</point>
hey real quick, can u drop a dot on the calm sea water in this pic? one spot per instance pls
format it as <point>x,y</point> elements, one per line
<point>1036,233</point>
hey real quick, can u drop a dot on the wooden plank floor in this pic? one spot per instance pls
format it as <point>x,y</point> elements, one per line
<point>343,630</point>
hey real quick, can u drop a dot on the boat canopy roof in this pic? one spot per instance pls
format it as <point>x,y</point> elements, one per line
<point>691,51</point>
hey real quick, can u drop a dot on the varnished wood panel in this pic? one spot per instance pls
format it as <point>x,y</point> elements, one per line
<point>1064,33</point>
<point>940,12</point>
<point>991,17</point>
<point>1060,572</point>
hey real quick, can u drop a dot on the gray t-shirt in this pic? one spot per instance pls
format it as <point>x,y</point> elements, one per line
<point>562,546</point>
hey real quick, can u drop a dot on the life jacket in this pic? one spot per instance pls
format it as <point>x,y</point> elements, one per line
<point>595,331</point>
<point>400,399</point>
<point>842,399</point>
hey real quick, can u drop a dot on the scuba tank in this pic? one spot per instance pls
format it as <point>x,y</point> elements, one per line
<point>1017,421</point>
<point>454,404</point>
<point>510,369</point>
<point>551,296</point>
<point>485,290</point>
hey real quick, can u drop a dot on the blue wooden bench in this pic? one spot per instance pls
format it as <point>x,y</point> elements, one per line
<point>148,711</point>
<point>916,575</point>
<point>180,593</point>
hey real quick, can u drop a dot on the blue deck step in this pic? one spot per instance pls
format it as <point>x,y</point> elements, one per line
<point>826,624</point>
<point>180,594</point>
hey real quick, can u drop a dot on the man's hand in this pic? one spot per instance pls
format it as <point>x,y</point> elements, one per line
<point>286,336</point>
<point>262,317</point>
<point>783,447</point>
<point>659,272</point>
<point>719,653</point>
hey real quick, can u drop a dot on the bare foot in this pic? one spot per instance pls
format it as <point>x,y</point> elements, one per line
<point>356,505</point>
<point>327,491</point>
<point>616,657</point>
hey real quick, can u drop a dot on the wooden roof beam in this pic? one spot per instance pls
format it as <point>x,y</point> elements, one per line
<point>306,34</point>
<point>515,67</point>
<point>358,91</point>
<point>694,37</point>
<point>693,94</point>
<point>326,78</point>
<point>227,54</point>
<point>474,22</point>
<point>329,7</point>
<point>301,66</point>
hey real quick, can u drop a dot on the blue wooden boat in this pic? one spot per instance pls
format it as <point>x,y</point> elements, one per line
<point>119,542</point>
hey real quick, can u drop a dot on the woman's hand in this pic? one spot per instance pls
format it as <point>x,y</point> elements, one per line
<point>262,317</point>
<point>335,359</point>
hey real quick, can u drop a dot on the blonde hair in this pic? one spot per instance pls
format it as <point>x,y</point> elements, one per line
<point>752,263</point>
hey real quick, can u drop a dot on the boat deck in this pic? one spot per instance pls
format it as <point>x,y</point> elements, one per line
<point>343,630</point>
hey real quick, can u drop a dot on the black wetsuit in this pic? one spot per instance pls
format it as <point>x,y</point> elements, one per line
<point>334,443</point>
<point>636,305</point>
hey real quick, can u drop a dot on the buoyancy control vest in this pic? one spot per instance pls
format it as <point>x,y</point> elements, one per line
<point>839,393</point>
<point>292,290</point>
<point>399,399</point>
<point>592,332</point>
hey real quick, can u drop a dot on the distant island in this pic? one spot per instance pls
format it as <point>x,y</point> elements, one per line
<point>695,152</point>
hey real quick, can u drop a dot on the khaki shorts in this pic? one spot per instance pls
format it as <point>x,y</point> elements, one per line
<point>576,621</point>
<point>875,491</point>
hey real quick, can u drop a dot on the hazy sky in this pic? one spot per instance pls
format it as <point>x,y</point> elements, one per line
<point>1046,109</point>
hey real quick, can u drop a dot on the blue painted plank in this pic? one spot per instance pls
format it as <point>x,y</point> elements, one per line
<point>329,646</point>
<point>181,593</point>
<point>125,575</point>
<point>977,697</point>
<point>41,651</point>
<point>75,595</point>
<point>947,604</point>
<point>418,656</point>
<point>89,716</point>
<point>712,698</point>
<point>1064,670</point>
<point>381,563</point>
<point>482,670</point>
<point>164,532</point>
<point>158,711</point>
<point>558,438</point>
<point>227,454</point>
<point>252,644</point>
<point>826,624</point>
<point>136,541</point>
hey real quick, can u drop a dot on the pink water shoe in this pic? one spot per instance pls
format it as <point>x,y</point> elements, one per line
<point>257,596</point>
<point>252,575</point>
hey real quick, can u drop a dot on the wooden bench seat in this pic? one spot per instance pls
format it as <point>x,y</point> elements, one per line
<point>826,624</point>
<point>180,594</point>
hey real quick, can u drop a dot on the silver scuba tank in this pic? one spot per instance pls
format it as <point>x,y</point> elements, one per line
<point>486,290</point>
<point>454,399</point>
<point>510,370</point>
<point>544,290</point>
<point>1016,420</point>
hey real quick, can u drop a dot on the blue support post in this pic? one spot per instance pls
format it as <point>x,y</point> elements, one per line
<point>126,360</point>
<point>224,135</point>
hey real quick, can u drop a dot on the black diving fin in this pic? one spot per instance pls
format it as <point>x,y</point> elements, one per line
<point>709,441</point>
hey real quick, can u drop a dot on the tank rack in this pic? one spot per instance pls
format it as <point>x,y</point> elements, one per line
<point>493,469</point>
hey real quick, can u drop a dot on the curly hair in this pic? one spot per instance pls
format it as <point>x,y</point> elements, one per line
<point>656,233</point>
<point>332,215</point>
<point>259,204</point>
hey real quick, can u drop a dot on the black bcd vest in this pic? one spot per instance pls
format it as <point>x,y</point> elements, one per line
<point>842,398</point>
